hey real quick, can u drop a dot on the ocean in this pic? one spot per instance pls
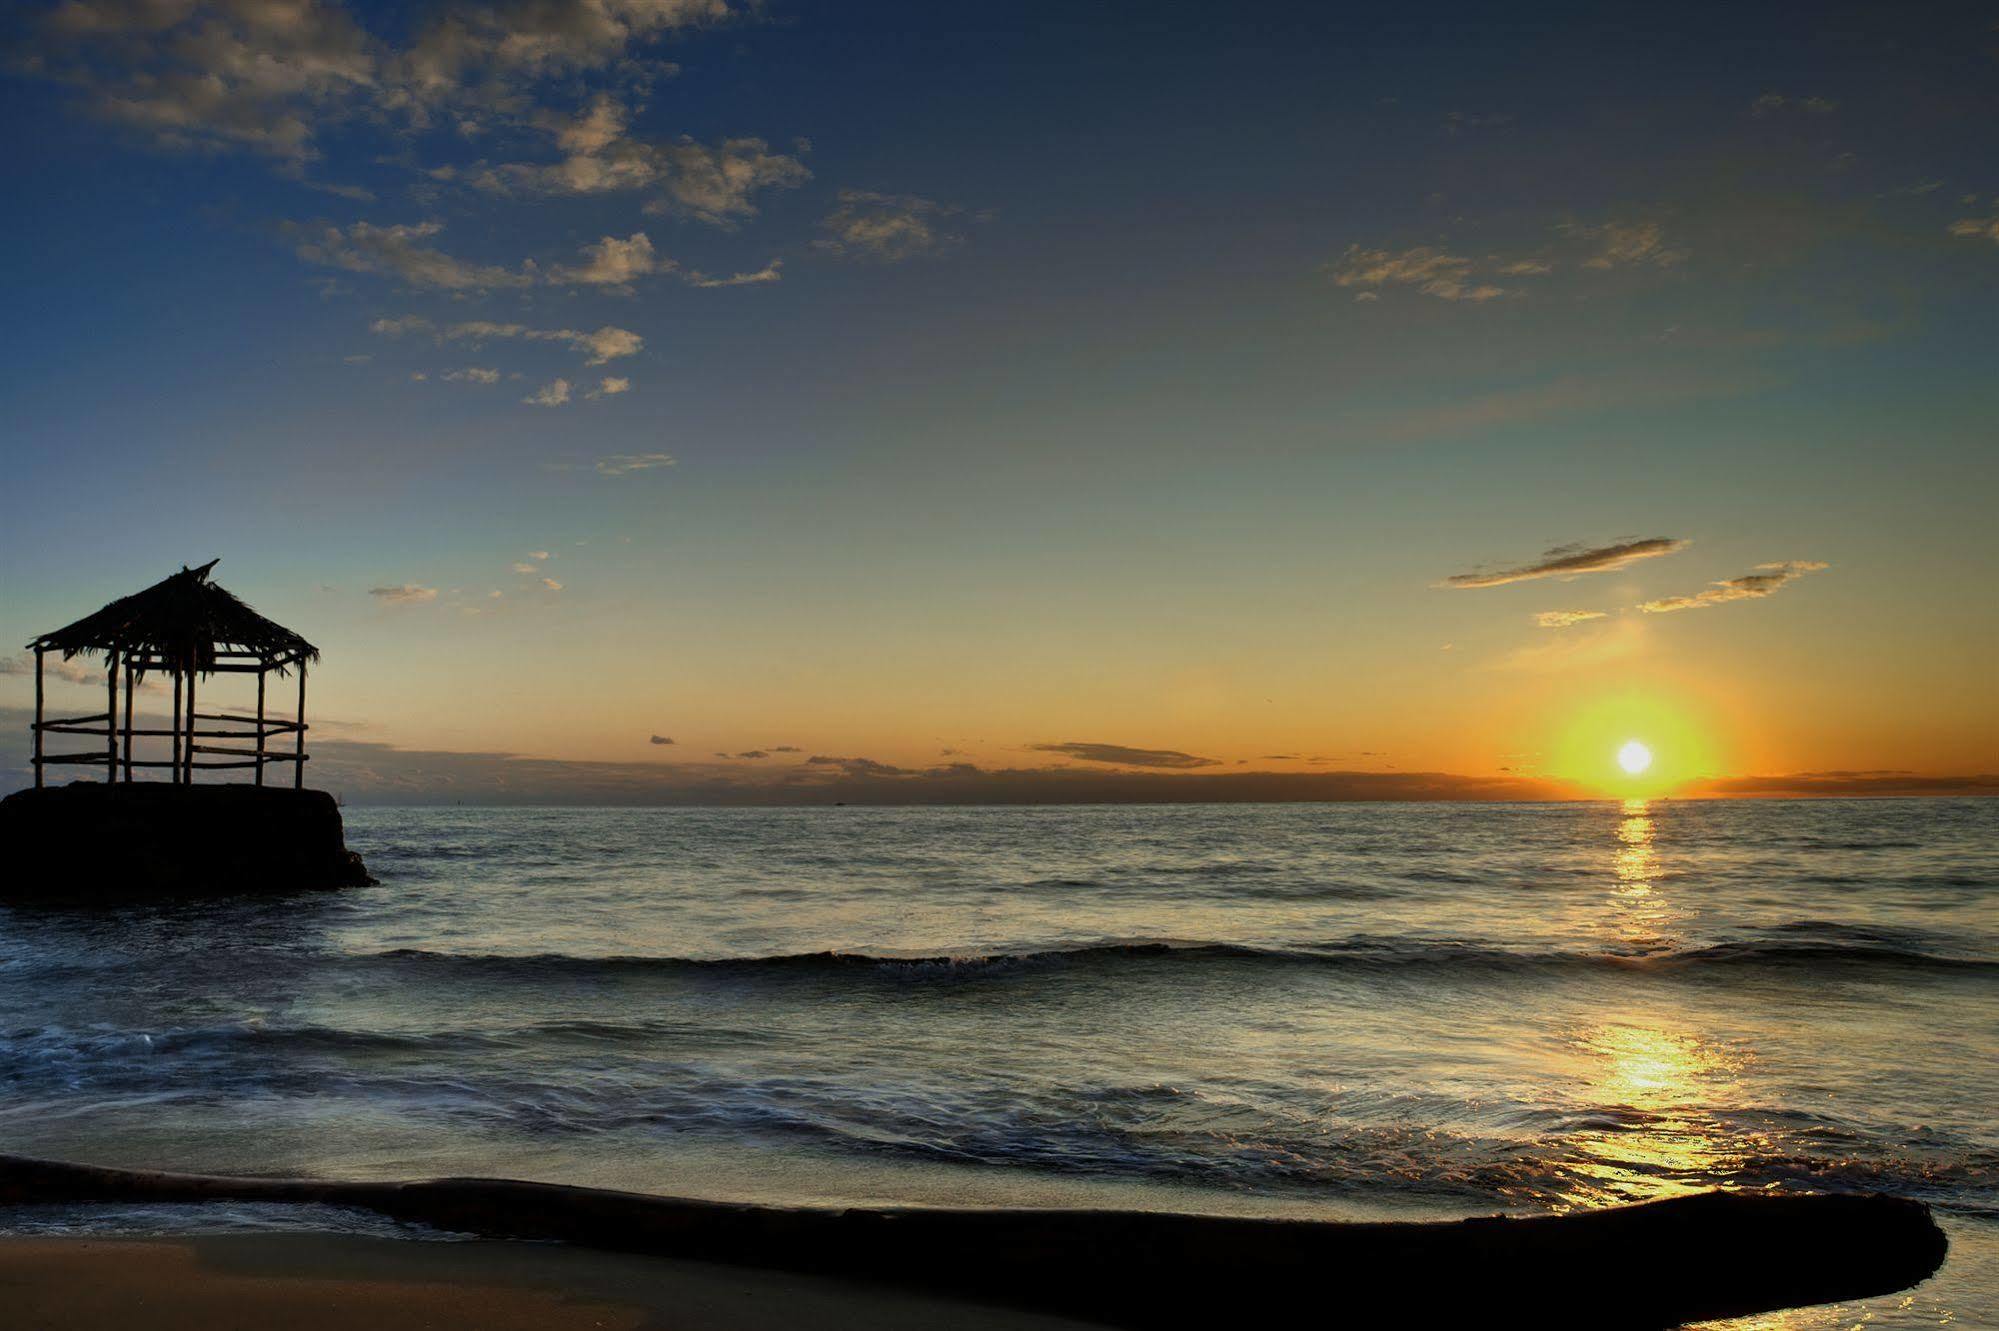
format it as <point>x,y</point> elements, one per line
<point>1344,1010</point>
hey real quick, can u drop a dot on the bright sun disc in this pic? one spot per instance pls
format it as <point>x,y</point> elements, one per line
<point>1634,757</point>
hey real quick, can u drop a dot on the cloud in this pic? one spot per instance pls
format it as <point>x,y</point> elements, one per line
<point>1623,244</point>
<point>1526,268</point>
<point>860,767</point>
<point>1851,785</point>
<point>785,748</point>
<point>551,584</point>
<point>538,554</point>
<point>395,251</point>
<point>407,594</point>
<point>1122,756</point>
<point>475,46</point>
<point>1568,561</point>
<point>611,386</point>
<point>255,77</point>
<point>1977,228</point>
<point>1561,619</point>
<point>770,272</point>
<point>524,567</point>
<point>616,263</point>
<point>606,344</point>
<point>660,739</point>
<point>715,183</point>
<point>1772,103</point>
<point>753,754</point>
<point>888,228</point>
<point>620,464</point>
<point>1429,270</point>
<point>401,325</point>
<point>72,671</point>
<point>551,394</point>
<point>474,374</point>
<point>1767,580</point>
<point>267,76</point>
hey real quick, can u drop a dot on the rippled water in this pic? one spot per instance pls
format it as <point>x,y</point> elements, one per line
<point>1331,1009</point>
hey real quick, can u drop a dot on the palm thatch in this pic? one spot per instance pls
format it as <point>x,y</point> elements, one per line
<point>180,623</point>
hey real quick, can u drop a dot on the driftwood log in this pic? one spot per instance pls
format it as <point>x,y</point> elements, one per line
<point>1653,1265</point>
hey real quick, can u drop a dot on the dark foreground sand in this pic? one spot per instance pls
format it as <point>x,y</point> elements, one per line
<point>256,1282</point>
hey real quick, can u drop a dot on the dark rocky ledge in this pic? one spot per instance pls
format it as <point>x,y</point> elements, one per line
<point>1656,1265</point>
<point>97,841</point>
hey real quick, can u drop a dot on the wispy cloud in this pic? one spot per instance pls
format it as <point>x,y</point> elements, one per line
<point>1977,228</point>
<point>1628,243</point>
<point>888,228</point>
<point>611,386</point>
<point>1767,580</point>
<point>1431,271</point>
<point>1123,756</point>
<point>770,272</point>
<point>606,344</point>
<point>1774,103</point>
<point>717,183</point>
<point>407,594</point>
<point>551,584</point>
<point>1561,619</point>
<point>398,251</point>
<point>620,464</point>
<point>551,394</point>
<point>473,374</point>
<point>1568,561</point>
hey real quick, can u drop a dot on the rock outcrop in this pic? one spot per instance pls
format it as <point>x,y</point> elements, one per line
<point>102,841</point>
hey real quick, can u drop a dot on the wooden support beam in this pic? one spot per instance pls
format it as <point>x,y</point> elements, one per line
<point>187,764</point>
<point>40,651</point>
<point>176,745</point>
<point>111,717</point>
<point>260,722</point>
<point>298,753</point>
<point>128,718</point>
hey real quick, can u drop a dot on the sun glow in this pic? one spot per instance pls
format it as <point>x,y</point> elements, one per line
<point>1596,743</point>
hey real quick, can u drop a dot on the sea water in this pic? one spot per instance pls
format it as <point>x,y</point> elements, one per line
<point>1345,1010</point>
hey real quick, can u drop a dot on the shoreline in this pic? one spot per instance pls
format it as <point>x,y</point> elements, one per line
<point>1658,1264</point>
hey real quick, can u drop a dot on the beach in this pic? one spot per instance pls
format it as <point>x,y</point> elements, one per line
<point>222,1282</point>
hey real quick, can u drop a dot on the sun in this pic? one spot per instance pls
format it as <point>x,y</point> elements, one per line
<point>1634,758</point>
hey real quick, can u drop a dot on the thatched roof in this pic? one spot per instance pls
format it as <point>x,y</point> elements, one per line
<point>184,618</point>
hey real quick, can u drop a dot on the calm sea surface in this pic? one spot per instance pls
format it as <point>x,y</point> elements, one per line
<point>1342,1010</point>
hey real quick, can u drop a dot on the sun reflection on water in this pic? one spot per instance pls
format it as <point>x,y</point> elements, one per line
<point>1654,1085</point>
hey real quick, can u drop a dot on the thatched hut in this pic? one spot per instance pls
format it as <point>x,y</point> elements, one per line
<point>121,837</point>
<point>188,628</point>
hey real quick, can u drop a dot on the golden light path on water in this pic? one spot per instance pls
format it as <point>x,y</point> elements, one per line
<point>1659,1081</point>
<point>1664,1085</point>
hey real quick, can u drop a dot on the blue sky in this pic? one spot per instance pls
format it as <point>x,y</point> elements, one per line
<point>894,379</point>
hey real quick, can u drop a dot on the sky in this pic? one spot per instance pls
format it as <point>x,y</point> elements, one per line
<point>662,400</point>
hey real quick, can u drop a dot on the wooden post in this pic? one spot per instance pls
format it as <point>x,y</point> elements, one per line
<point>173,773</point>
<point>39,652</point>
<point>298,736</point>
<point>111,717</point>
<point>263,664</point>
<point>187,760</point>
<point>128,718</point>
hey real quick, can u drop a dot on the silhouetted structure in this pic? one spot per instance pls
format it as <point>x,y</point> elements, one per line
<point>190,628</point>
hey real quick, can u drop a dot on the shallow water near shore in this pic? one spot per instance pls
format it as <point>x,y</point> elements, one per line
<point>1337,1010</point>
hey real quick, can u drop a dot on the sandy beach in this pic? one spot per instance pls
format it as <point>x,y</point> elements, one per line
<point>309,1281</point>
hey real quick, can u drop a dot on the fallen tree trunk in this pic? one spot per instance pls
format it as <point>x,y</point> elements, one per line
<point>1653,1265</point>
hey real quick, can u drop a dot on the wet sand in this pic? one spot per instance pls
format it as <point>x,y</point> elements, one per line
<point>310,1282</point>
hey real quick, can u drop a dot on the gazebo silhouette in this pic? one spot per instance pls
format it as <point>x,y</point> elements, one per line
<point>190,628</point>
